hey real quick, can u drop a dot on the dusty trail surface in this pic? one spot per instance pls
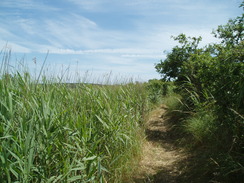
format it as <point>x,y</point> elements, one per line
<point>162,160</point>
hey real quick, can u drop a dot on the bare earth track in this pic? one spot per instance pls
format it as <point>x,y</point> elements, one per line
<point>162,160</point>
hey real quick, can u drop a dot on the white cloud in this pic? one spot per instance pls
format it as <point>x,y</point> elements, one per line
<point>6,33</point>
<point>28,25</point>
<point>94,5</point>
<point>26,5</point>
<point>71,33</point>
<point>101,51</point>
<point>14,47</point>
<point>71,30</point>
<point>159,56</point>
<point>83,34</point>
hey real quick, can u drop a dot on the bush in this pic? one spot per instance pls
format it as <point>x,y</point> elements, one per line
<point>211,83</point>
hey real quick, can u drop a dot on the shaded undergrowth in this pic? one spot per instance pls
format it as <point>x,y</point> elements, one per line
<point>207,159</point>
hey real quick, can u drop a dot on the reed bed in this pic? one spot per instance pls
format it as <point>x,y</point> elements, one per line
<point>52,132</point>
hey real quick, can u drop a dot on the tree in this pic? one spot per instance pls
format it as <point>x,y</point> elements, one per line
<point>211,81</point>
<point>171,67</point>
<point>232,33</point>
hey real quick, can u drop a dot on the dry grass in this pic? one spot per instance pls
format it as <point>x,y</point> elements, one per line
<point>159,156</point>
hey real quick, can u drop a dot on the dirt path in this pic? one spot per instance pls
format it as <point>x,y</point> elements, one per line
<point>162,160</point>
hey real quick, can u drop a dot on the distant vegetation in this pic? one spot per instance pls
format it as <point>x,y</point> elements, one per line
<point>209,83</point>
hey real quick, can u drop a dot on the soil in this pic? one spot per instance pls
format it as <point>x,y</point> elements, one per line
<point>162,157</point>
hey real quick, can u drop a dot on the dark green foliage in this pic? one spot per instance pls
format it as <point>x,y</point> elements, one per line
<point>157,89</point>
<point>211,83</point>
<point>171,67</point>
<point>232,33</point>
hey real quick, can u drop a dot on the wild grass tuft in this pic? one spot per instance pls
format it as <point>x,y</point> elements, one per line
<point>202,126</point>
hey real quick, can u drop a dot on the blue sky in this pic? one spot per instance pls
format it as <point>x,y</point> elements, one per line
<point>122,37</point>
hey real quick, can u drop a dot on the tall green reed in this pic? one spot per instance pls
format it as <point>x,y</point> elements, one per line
<point>52,132</point>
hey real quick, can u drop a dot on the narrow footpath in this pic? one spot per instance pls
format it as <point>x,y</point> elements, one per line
<point>162,160</point>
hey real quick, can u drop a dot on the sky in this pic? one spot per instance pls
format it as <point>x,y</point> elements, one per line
<point>98,39</point>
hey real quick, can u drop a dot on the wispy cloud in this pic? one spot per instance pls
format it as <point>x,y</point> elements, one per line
<point>94,5</point>
<point>153,56</point>
<point>95,51</point>
<point>125,36</point>
<point>70,31</point>
<point>26,5</point>
<point>12,46</point>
